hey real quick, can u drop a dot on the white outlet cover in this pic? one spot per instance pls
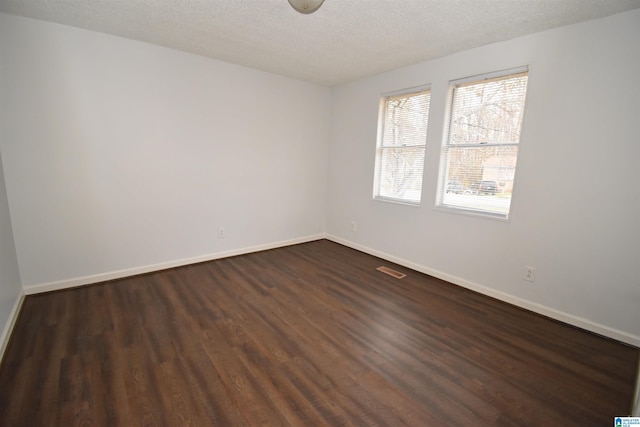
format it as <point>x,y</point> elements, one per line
<point>529,273</point>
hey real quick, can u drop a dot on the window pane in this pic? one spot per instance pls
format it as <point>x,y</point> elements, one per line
<point>401,173</point>
<point>480,178</point>
<point>401,146</point>
<point>488,112</point>
<point>405,120</point>
<point>481,149</point>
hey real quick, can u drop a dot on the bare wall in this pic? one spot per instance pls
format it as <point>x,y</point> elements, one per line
<point>120,154</point>
<point>10,288</point>
<point>576,203</point>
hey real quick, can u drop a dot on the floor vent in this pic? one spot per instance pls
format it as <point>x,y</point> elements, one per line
<point>390,272</point>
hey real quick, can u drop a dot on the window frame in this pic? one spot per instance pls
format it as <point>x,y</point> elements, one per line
<point>446,146</point>
<point>380,147</point>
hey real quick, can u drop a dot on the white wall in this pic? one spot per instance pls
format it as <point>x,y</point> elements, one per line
<point>120,155</point>
<point>11,294</point>
<point>576,206</point>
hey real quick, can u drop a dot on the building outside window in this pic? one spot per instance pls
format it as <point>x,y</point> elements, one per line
<point>480,149</point>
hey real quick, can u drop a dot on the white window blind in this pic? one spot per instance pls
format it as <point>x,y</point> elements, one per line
<point>480,150</point>
<point>402,138</point>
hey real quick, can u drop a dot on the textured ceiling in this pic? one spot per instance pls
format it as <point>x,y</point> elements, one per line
<point>343,41</point>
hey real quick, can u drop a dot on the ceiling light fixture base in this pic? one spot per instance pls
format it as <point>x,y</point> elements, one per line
<point>306,6</point>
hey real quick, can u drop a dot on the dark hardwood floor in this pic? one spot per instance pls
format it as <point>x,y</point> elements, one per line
<point>307,335</point>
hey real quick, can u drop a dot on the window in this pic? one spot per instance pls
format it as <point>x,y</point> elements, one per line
<point>402,140</point>
<point>480,149</point>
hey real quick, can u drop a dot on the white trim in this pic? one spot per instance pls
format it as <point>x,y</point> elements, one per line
<point>380,140</point>
<point>396,201</point>
<point>484,77</point>
<point>102,277</point>
<point>570,319</point>
<point>635,410</point>
<point>407,91</point>
<point>11,322</point>
<point>477,213</point>
<point>446,146</point>
<point>537,308</point>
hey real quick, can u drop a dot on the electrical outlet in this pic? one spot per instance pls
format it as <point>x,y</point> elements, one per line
<point>354,226</point>
<point>220,233</point>
<point>529,273</point>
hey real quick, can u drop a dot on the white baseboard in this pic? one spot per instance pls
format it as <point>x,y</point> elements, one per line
<point>537,308</point>
<point>11,321</point>
<point>635,411</point>
<point>119,274</point>
<point>570,319</point>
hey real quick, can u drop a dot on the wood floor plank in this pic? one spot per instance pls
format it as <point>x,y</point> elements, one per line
<point>305,335</point>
